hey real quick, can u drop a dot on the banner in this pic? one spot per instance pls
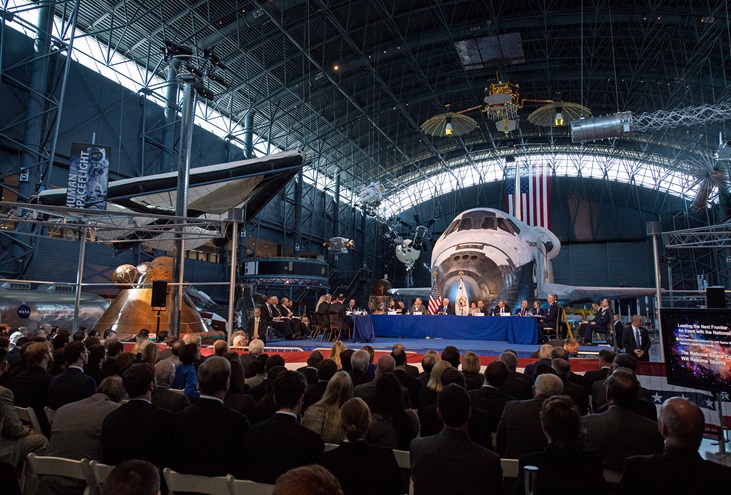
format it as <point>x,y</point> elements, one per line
<point>535,196</point>
<point>652,377</point>
<point>462,303</point>
<point>88,176</point>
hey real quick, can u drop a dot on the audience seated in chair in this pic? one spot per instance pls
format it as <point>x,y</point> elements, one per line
<point>322,416</point>
<point>450,462</point>
<point>361,468</point>
<point>162,397</point>
<point>134,477</point>
<point>307,480</point>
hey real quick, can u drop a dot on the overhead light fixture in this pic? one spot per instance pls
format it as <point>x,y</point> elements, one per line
<point>448,129</point>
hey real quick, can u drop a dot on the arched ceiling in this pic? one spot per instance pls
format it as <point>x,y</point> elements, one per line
<point>350,82</point>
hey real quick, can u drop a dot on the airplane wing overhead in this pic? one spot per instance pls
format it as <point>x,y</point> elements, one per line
<point>422,292</point>
<point>214,189</point>
<point>581,293</point>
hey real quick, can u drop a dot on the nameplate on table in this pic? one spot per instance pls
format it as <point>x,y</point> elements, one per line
<point>415,313</point>
<point>479,314</point>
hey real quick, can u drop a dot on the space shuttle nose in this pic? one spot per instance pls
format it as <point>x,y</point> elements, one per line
<point>485,278</point>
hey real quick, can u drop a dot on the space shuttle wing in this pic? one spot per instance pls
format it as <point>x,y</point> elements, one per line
<point>582,293</point>
<point>214,189</point>
<point>422,292</point>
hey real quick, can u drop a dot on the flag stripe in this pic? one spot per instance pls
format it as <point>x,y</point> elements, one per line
<point>535,197</point>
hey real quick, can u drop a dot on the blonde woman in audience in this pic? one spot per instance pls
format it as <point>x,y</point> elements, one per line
<point>322,416</point>
<point>428,394</point>
<point>471,370</point>
<point>337,348</point>
<point>150,352</point>
<point>377,470</point>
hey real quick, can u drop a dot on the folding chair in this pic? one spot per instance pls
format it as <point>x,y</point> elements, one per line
<point>50,414</point>
<point>178,482</point>
<point>96,474</point>
<point>247,487</point>
<point>56,466</point>
<point>336,326</point>
<point>403,459</point>
<point>510,468</point>
<point>331,446</point>
<point>28,416</point>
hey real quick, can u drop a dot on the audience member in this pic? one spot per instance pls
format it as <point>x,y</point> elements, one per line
<point>488,398</point>
<point>471,369</point>
<point>335,351</point>
<point>123,362</point>
<point>560,418</point>
<point>16,440</point>
<point>134,477</point>
<point>451,355</point>
<point>93,368</point>
<point>236,398</point>
<point>361,468</point>
<point>257,371</point>
<point>196,427</point>
<point>619,433</point>
<point>393,425</point>
<point>576,392</point>
<point>428,394</point>
<point>679,469</point>
<point>307,480</point>
<point>450,462</point>
<point>367,391</point>
<point>137,429</point>
<point>114,348</point>
<point>544,354</point>
<point>310,371</point>
<point>322,416</point>
<point>220,347</point>
<point>605,359</point>
<point>519,430</point>
<point>150,353</point>
<point>73,384</point>
<point>410,370</point>
<point>162,397</point>
<point>258,391</point>
<point>185,374</point>
<point>30,386</point>
<point>281,443</point>
<point>405,379</point>
<point>359,363</point>
<point>427,363</point>
<point>517,384</point>
<point>256,347</point>
<point>644,405</point>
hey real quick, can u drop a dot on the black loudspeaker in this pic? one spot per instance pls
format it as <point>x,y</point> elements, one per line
<point>159,294</point>
<point>716,297</point>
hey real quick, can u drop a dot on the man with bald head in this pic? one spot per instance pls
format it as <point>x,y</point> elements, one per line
<point>162,397</point>
<point>679,469</point>
<point>367,391</point>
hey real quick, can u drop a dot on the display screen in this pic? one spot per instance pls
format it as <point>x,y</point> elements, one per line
<point>697,345</point>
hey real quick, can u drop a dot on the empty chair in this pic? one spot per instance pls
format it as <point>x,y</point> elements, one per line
<point>96,474</point>
<point>178,482</point>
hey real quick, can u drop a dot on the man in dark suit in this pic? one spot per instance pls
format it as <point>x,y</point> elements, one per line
<point>427,364</point>
<point>488,398</point>
<point>501,308</point>
<point>310,371</point>
<point>576,392</point>
<point>644,405</point>
<point>605,359</point>
<point>30,386</point>
<point>281,443</point>
<point>256,347</point>
<point>162,397</point>
<point>73,384</point>
<point>445,463</point>
<point>325,370</point>
<point>636,340</point>
<point>545,358</point>
<point>679,469</point>
<point>359,361</point>
<point>285,308</point>
<point>195,427</point>
<point>618,331</point>
<point>600,323</point>
<point>551,318</point>
<point>114,349</point>
<point>445,308</point>
<point>562,353</point>
<point>412,384</point>
<point>410,370</point>
<point>336,313</point>
<point>323,309</point>
<point>256,328</point>
<point>271,316</point>
<point>523,310</point>
<point>618,432</point>
<point>519,430</point>
<point>517,384</point>
<point>367,391</point>
<point>137,429</point>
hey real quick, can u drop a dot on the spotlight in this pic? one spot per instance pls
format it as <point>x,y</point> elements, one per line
<point>558,118</point>
<point>448,130</point>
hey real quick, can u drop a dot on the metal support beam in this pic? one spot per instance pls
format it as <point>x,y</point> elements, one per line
<point>79,276</point>
<point>171,110</point>
<point>298,214</point>
<point>249,133</point>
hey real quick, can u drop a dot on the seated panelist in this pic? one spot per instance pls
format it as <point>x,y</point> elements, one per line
<point>501,308</point>
<point>418,307</point>
<point>445,308</point>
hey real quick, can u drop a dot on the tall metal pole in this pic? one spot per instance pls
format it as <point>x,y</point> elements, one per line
<point>181,204</point>
<point>249,133</point>
<point>79,276</point>
<point>654,229</point>
<point>235,215</point>
<point>516,195</point>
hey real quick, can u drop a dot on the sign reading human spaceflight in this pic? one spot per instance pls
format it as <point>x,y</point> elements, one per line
<point>88,176</point>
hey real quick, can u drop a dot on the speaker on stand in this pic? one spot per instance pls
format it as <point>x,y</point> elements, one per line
<point>159,300</point>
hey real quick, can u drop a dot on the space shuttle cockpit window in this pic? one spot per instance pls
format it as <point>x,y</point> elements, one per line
<point>452,227</point>
<point>503,224</point>
<point>488,223</point>
<point>515,227</point>
<point>465,224</point>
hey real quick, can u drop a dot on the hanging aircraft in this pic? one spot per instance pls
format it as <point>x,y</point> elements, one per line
<point>213,191</point>
<point>500,257</point>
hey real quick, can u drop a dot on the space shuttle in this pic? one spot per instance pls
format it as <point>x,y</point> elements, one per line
<point>499,257</point>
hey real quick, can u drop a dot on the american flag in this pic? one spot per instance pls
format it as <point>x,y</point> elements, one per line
<point>535,197</point>
<point>435,300</point>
